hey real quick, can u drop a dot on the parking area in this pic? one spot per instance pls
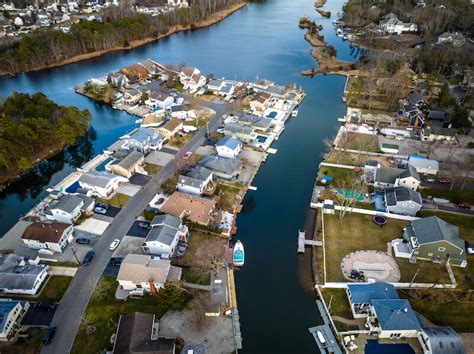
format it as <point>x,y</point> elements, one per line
<point>129,245</point>
<point>93,225</point>
<point>139,229</point>
<point>159,158</point>
<point>40,318</point>
<point>139,179</point>
<point>128,189</point>
<point>111,212</point>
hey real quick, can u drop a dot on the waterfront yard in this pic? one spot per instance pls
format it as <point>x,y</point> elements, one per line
<point>228,196</point>
<point>353,159</point>
<point>357,232</point>
<point>196,276</point>
<point>339,307</point>
<point>342,176</point>
<point>101,317</point>
<point>361,142</point>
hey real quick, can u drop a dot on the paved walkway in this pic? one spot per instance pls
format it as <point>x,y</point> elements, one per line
<point>346,320</point>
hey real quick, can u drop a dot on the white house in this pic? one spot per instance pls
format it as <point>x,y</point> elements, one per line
<point>11,314</point>
<point>143,140</point>
<point>191,78</point>
<point>159,100</point>
<point>196,181</point>
<point>228,147</point>
<point>182,112</point>
<point>392,25</point>
<point>403,201</point>
<point>66,209</point>
<point>431,134</point>
<point>21,277</point>
<point>394,177</point>
<point>49,236</point>
<point>145,272</point>
<point>162,239</point>
<point>424,165</point>
<point>101,184</point>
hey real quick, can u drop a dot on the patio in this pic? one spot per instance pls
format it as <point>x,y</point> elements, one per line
<point>375,265</point>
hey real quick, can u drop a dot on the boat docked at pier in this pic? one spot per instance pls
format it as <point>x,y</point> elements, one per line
<point>238,254</point>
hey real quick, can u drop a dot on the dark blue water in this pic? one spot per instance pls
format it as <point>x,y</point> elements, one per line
<point>261,40</point>
<point>373,347</point>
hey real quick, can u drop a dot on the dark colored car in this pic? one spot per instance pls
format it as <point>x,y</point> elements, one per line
<point>463,205</point>
<point>88,258</point>
<point>48,335</point>
<point>83,241</point>
<point>44,305</point>
<point>116,261</point>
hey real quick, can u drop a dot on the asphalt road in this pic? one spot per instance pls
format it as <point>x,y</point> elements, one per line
<point>69,313</point>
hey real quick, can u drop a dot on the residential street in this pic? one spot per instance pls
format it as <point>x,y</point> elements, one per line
<point>72,306</point>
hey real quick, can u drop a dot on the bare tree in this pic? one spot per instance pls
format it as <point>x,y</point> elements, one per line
<point>347,201</point>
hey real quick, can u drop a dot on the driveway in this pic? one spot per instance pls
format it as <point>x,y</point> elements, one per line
<point>137,231</point>
<point>139,179</point>
<point>35,318</point>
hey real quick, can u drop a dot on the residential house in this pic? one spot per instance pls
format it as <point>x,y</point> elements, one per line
<point>221,87</point>
<point>101,184</point>
<point>196,181</point>
<point>129,165</point>
<point>392,319</point>
<point>411,116</point>
<point>395,177</point>
<point>403,201</point>
<point>145,272</point>
<point>432,134</point>
<point>192,207</point>
<point>221,166</point>
<point>257,123</point>
<point>66,209</point>
<point>416,99</point>
<point>262,84</point>
<point>424,165</point>
<point>139,333</point>
<point>151,66</point>
<point>19,276</point>
<point>228,147</point>
<point>135,72</point>
<point>170,128</point>
<point>392,25</point>
<point>117,80</point>
<point>49,236</point>
<point>143,140</point>
<point>243,133</point>
<point>390,148</point>
<point>434,239</point>
<point>166,231</point>
<point>191,78</point>
<point>182,112</point>
<point>455,38</point>
<point>132,96</point>
<point>360,296</point>
<point>260,102</point>
<point>11,315</point>
<point>277,91</point>
<point>440,340</point>
<point>159,100</point>
<point>438,116</point>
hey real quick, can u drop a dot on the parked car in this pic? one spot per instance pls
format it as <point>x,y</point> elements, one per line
<point>187,155</point>
<point>114,244</point>
<point>220,131</point>
<point>88,258</point>
<point>44,305</point>
<point>48,335</point>
<point>83,241</point>
<point>144,225</point>
<point>443,181</point>
<point>116,261</point>
<point>470,250</point>
<point>101,208</point>
<point>463,205</point>
<point>430,180</point>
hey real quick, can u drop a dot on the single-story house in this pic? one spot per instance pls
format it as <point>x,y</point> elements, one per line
<point>395,177</point>
<point>434,239</point>
<point>132,96</point>
<point>170,128</point>
<point>438,134</point>
<point>129,165</point>
<point>19,276</point>
<point>182,112</point>
<point>196,181</point>
<point>159,100</point>
<point>66,209</point>
<point>139,333</point>
<point>221,87</point>
<point>257,123</point>
<point>228,147</point>
<point>403,201</point>
<point>11,315</point>
<point>196,209</point>
<point>221,166</point>
<point>360,296</point>
<point>389,148</point>
<point>241,132</point>
<point>215,85</point>
<point>144,272</point>
<point>102,184</point>
<point>191,78</point>
<point>438,340</point>
<point>143,140</point>
<point>163,237</point>
<point>424,165</point>
<point>49,236</point>
<point>260,101</point>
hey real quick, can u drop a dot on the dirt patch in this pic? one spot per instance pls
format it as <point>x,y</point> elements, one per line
<point>375,265</point>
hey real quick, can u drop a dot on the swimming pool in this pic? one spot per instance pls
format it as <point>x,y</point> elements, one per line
<point>272,114</point>
<point>261,139</point>
<point>373,347</point>
<point>101,167</point>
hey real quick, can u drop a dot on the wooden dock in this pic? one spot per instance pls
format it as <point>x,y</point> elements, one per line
<point>305,238</point>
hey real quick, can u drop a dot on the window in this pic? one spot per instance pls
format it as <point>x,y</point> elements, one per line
<point>441,249</point>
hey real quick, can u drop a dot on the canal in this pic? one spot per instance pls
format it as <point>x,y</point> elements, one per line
<point>264,41</point>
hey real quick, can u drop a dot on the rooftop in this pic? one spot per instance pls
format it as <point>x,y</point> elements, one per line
<point>365,293</point>
<point>98,179</point>
<point>395,315</point>
<point>433,229</point>
<point>142,269</point>
<point>67,203</point>
<point>401,194</point>
<point>45,232</point>
<point>229,142</point>
<point>14,275</point>
<point>197,209</point>
<point>130,160</point>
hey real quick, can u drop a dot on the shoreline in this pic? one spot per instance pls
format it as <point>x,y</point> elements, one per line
<point>212,20</point>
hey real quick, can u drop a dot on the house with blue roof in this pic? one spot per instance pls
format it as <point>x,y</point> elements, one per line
<point>228,147</point>
<point>11,315</point>
<point>361,295</point>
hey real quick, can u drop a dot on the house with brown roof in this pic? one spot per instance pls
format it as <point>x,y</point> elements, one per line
<point>170,128</point>
<point>135,72</point>
<point>196,209</point>
<point>48,236</point>
<point>259,102</point>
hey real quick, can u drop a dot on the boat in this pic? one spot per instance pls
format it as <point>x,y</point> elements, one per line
<point>339,32</point>
<point>344,37</point>
<point>294,113</point>
<point>238,254</point>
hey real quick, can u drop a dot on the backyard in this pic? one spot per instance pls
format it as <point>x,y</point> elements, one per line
<point>361,142</point>
<point>227,196</point>
<point>338,304</point>
<point>103,312</point>
<point>341,176</point>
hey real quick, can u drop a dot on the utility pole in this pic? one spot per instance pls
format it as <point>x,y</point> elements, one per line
<point>413,279</point>
<point>75,256</point>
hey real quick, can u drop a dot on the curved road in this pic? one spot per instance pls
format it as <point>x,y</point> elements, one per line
<point>74,302</point>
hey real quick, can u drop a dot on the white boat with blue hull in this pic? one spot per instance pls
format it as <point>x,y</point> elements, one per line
<point>238,254</point>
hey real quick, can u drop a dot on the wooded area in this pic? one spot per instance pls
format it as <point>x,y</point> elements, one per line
<point>120,26</point>
<point>32,127</point>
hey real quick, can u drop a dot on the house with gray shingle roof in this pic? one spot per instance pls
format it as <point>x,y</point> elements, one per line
<point>435,240</point>
<point>66,209</point>
<point>402,201</point>
<point>101,184</point>
<point>395,177</point>
<point>196,181</point>
<point>127,166</point>
<point>221,167</point>
<point>166,230</point>
<point>143,140</point>
<point>257,123</point>
<point>241,132</point>
<point>439,340</point>
<point>19,277</point>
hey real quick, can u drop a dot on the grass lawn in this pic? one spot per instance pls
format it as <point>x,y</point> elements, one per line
<point>227,196</point>
<point>152,169</point>
<point>179,141</point>
<point>361,142</point>
<point>118,200</point>
<point>196,276</point>
<point>342,176</point>
<point>337,298</point>
<point>456,195</point>
<point>30,345</point>
<point>103,313</point>
<point>55,288</point>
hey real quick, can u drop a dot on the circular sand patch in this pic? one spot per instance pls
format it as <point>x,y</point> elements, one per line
<point>376,265</point>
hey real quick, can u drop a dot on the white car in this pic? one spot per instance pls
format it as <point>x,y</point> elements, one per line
<point>470,250</point>
<point>114,244</point>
